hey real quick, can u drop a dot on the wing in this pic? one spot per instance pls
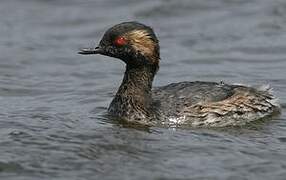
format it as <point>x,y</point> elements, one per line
<point>175,96</point>
<point>214,104</point>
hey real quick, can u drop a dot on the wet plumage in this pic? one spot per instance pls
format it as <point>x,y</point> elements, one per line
<point>207,104</point>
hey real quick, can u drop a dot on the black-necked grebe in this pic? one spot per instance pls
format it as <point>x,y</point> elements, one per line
<point>206,104</point>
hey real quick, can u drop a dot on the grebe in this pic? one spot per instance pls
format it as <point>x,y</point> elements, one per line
<point>199,104</point>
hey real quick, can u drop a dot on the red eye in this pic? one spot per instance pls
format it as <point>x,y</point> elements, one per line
<point>120,41</point>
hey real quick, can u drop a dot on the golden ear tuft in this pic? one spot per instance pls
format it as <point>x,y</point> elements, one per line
<point>142,42</point>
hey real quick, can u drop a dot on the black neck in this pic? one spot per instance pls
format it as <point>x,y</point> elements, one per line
<point>134,93</point>
<point>137,84</point>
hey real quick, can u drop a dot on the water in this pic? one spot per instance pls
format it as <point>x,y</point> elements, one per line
<point>52,100</point>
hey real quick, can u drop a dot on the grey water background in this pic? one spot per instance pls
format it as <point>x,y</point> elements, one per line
<point>52,100</point>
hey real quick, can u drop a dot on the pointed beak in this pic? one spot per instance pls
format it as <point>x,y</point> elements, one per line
<point>86,51</point>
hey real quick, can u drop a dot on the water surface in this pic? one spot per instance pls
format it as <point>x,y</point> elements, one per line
<point>52,100</point>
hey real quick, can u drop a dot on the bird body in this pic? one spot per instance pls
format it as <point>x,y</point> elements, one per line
<point>214,104</point>
<point>198,104</point>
